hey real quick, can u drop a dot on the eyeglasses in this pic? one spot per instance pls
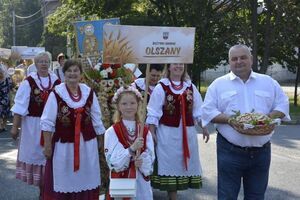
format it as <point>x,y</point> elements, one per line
<point>43,62</point>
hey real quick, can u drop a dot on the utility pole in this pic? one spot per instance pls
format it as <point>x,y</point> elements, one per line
<point>14,27</point>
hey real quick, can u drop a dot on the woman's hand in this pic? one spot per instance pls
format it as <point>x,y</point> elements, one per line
<point>152,129</point>
<point>14,131</point>
<point>48,152</point>
<point>154,139</point>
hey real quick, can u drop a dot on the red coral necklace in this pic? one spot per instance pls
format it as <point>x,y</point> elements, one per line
<point>129,138</point>
<point>176,87</point>
<point>75,98</point>
<point>49,84</point>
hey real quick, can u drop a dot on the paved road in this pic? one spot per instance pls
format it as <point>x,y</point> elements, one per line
<point>284,174</point>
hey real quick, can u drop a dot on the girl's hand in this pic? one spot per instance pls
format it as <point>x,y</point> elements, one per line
<point>138,144</point>
<point>138,162</point>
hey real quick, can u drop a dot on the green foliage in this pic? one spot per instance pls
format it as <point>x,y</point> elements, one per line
<point>219,24</point>
<point>53,43</point>
<point>60,22</point>
<point>28,31</point>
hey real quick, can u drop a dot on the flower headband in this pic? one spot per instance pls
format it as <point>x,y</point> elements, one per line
<point>126,89</point>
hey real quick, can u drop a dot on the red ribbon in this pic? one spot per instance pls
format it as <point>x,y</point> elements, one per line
<point>44,97</point>
<point>130,173</point>
<point>78,112</point>
<point>185,145</point>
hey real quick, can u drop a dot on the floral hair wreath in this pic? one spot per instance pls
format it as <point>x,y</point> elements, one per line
<point>126,89</point>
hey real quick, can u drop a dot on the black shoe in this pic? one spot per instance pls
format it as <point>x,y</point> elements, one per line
<point>2,130</point>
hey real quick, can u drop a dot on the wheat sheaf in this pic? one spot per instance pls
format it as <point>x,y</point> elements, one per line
<point>117,49</point>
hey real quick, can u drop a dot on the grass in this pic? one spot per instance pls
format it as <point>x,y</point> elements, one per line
<point>294,110</point>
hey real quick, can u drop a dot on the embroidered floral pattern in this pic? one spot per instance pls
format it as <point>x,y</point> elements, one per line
<point>87,111</point>
<point>169,104</point>
<point>37,96</point>
<point>189,99</point>
<point>36,91</point>
<point>63,115</point>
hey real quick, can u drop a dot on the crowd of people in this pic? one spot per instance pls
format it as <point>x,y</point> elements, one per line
<point>58,120</point>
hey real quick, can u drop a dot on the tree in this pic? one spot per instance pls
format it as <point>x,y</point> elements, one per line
<point>28,31</point>
<point>212,19</point>
<point>219,25</point>
<point>287,40</point>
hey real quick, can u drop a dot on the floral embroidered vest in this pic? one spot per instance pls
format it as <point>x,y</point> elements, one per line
<point>38,97</point>
<point>171,108</point>
<point>65,121</point>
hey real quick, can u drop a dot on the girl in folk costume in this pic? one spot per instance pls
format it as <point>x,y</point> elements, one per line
<point>71,123</point>
<point>173,109</point>
<point>121,143</point>
<point>29,104</point>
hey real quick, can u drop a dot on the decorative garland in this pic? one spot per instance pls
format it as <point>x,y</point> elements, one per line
<point>105,79</point>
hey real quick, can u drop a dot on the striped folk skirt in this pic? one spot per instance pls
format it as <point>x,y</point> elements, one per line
<point>174,183</point>
<point>29,173</point>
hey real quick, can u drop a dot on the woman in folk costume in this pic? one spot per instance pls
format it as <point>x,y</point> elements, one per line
<point>29,101</point>
<point>121,143</point>
<point>173,109</point>
<point>5,88</point>
<point>71,123</point>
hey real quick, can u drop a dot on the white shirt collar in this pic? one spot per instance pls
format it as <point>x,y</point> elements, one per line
<point>232,76</point>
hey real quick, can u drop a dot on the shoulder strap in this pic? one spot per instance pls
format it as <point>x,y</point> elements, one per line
<point>57,73</point>
<point>31,81</point>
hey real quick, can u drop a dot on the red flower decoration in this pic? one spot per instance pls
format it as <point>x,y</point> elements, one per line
<point>105,65</point>
<point>113,74</point>
<point>116,81</point>
<point>115,66</point>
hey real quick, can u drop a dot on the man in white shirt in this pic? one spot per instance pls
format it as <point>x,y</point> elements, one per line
<point>242,157</point>
<point>58,71</point>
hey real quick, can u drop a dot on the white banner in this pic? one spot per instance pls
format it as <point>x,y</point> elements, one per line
<point>148,44</point>
<point>27,52</point>
<point>5,53</point>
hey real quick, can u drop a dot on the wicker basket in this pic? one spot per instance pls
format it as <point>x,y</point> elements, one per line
<point>256,130</point>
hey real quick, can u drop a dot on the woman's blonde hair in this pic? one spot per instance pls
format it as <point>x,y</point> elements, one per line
<point>117,114</point>
<point>184,77</point>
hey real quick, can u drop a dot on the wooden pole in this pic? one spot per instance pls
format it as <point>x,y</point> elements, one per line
<point>144,105</point>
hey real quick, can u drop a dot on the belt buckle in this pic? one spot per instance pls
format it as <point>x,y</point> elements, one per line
<point>246,148</point>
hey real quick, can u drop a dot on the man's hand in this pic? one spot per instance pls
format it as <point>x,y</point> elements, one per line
<point>205,134</point>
